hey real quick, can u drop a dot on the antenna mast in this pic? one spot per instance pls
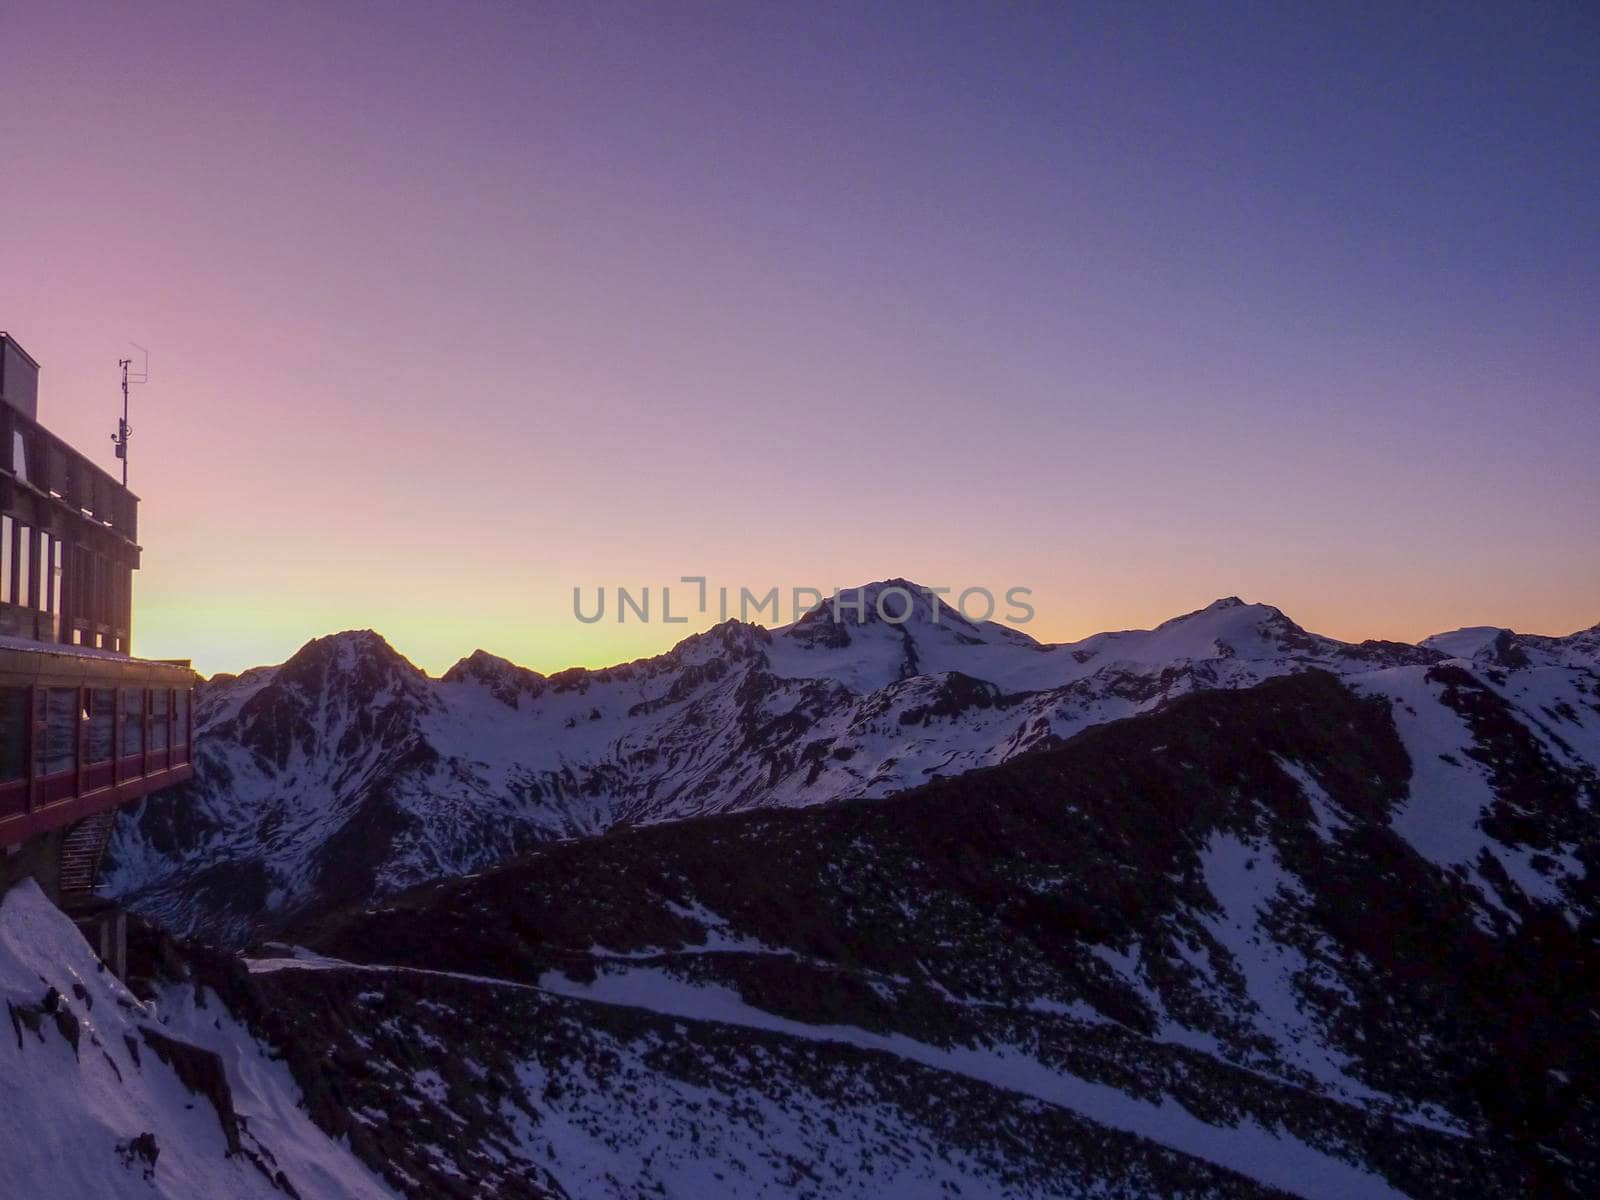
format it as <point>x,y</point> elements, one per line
<point>124,430</point>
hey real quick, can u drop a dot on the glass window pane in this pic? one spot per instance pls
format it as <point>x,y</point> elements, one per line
<point>13,732</point>
<point>158,718</point>
<point>24,560</point>
<point>7,531</point>
<point>55,589</point>
<point>102,594</point>
<point>180,735</point>
<point>132,721</point>
<point>102,723</point>
<point>42,548</point>
<point>60,751</point>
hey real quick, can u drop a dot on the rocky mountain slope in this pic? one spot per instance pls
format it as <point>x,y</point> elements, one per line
<point>1243,946</point>
<point>346,772</point>
<point>110,1094</point>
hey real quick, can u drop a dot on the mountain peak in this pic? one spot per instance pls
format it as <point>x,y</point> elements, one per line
<point>1507,649</point>
<point>894,611</point>
<point>1469,641</point>
<point>1228,611</point>
<point>360,653</point>
<point>1227,628</point>
<point>887,601</point>
<point>504,679</point>
<point>346,645</point>
<point>481,664</point>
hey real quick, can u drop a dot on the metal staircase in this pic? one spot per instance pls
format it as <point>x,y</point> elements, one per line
<point>82,847</point>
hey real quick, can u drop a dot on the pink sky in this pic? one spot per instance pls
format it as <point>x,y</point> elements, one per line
<point>450,315</point>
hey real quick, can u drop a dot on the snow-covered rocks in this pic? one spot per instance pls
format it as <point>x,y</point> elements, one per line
<point>110,1096</point>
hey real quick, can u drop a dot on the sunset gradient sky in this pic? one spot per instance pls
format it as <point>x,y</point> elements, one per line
<point>453,307</point>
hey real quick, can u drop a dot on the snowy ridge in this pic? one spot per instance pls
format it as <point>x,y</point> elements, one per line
<point>346,772</point>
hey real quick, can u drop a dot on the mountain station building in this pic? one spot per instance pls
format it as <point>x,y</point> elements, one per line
<point>84,726</point>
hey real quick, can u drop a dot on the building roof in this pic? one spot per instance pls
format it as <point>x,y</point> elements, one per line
<point>17,346</point>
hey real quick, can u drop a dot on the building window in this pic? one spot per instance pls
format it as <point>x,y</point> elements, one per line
<point>180,736</point>
<point>14,730</point>
<point>19,455</point>
<point>24,559</point>
<point>132,721</point>
<point>102,724</point>
<point>101,593</point>
<point>82,585</point>
<point>7,532</point>
<point>159,698</point>
<point>60,731</point>
<point>55,588</point>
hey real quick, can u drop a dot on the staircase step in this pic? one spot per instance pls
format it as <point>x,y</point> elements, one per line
<point>81,851</point>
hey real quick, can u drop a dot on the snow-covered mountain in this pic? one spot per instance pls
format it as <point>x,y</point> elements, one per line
<point>346,772</point>
<point>1219,909</point>
<point>1256,943</point>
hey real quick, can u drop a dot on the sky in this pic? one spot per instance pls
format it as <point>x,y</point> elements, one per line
<point>452,309</point>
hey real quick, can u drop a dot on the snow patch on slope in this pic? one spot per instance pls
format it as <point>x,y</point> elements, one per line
<point>1273,1157</point>
<point>68,1110</point>
<point>1451,793</point>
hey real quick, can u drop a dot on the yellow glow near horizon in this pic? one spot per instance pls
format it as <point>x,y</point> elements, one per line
<point>547,639</point>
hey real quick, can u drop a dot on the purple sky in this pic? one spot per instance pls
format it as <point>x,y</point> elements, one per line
<point>455,307</point>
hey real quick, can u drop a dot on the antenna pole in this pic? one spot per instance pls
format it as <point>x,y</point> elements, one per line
<point>123,432</point>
